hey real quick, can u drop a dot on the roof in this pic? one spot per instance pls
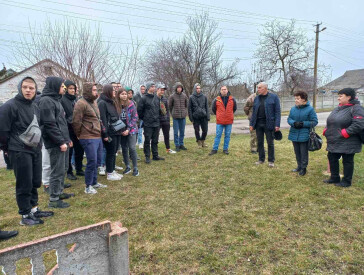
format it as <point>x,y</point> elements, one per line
<point>39,63</point>
<point>350,79</point>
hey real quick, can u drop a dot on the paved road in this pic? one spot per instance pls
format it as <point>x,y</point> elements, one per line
<point>239,127</point>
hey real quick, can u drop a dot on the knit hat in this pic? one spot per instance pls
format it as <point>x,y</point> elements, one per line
<point>348,92</point>
<point>148,85</point>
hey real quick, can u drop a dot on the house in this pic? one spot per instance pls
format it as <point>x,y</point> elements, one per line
<point>351,79</point>
<point>39,71</point>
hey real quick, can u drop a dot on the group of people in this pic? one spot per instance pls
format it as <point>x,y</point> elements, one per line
<point>46,134</point>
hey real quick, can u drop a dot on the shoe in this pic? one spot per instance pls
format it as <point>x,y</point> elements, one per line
<point>253,152</point>
<point>80,173</point>
<point>199,143</point>
<point>178,149</point>
<point>226,152</point>
<point>119,168</point>
<point>102,171</point>
<point>343,184</point>
<point>43,214</point>
<point>182,147</point>
<point>138,158</point>
<point>58,204</point>
<point>127,171</point>
<point>158,158</point>
<point>303,172</point>
<point>67,185</point>
<point>296,170</point>
<point>203,145</point>
<point>117,174</point>
<point>331,181</point>
<point>270,164</point>
<point>259,162</point>
<point>213,152</point>
<point>170,151</point>
<point>135,172</point>
<point>71,177</point>
<point>30,219</point>
<point>141,146</point>
<point>65,196</point>
<point>147,160</point>
<point>99,185</point>
<point>112,177</point>
<point>90,190</point>
<point>5,235</point>
<point>46,189</point>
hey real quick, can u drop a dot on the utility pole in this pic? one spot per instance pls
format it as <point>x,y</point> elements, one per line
<point>315,65</point>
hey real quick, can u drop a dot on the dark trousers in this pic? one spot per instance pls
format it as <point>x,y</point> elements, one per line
<point>128,144</point>
<point>262,130</point>
<point>28,174</point>
<point>204,124</point>
<point>78,150</point>
<point>301,152</point>
<point>93,149</point>
<point>111,149</point>
<point>151,135</point>
<point>348,163</point>
<point>59,167</point>
<point>165,129</point>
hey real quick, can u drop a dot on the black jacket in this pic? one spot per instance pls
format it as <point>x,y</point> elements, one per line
<point>68,103</point>
<point>15,117</point>
<point>52,115</point>
<point>148,110</point>
<point>164,119</point>
<point>198,107</point>
<point>137,98</point>
<point>108,113</point>
<point>342,128</point>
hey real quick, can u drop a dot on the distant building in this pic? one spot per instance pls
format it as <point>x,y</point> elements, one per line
<point>351,79</point>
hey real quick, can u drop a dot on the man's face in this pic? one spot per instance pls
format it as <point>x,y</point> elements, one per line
<point>71,90</point>
<point>179,89</point>
<point>118,86</point>
<point>198,89</point>
<point>160,91</point>
<point>224,91</point>
<point>28,89</point>
<point>130,95</point>
<point>151,89</point>
<point>94,91</point>
<point>115,86</point>
<point>262,89</point>
<point>62,89</point>
<point>142,90</point>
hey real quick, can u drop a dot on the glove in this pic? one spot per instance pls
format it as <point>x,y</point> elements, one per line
<point>298,125</point>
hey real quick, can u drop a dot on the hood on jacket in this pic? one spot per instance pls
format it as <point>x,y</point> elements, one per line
<point>105,98</point>
<point>68,83</point>
<point>194,89</point>
<point>148,85</point>
<point>53,84</point>
<point>20,94</point>
<point>303,106</point>
<point>228,94</point>
<point>175,86</point>
<point>87,92</point>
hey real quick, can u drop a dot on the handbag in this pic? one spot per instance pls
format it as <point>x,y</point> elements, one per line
<point>117,125</point>
<point>314,141</point>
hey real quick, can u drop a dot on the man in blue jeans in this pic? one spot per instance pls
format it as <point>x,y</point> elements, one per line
<point>224,107</point>
<point>178,107</point>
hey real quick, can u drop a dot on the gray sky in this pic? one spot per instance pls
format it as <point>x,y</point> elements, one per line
<point>239,21</point>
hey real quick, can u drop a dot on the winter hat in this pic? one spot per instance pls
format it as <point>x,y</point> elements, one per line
<point>348,92</point>
<point>161,86</point>
<point>148,85</point>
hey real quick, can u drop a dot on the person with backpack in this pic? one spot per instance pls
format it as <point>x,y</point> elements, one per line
<point>21,138</point>
<point>344,132</point>
<point>199,115</point>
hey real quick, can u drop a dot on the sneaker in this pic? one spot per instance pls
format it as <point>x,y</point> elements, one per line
<point>43,214</point>
<point>119,168</point>
<point>90,190</point>
<point>213,152</point>
<point>141,146</point>
<point>253,152</point>
<point>271,164</point>
<point>67,185</point>
<point>127,171</point>
<point>71,177</point>
<point>135,172</point>
<point>46,189</point>
<point>99,185</point>
<point>5,235</point>
<point>58,204</point>
<point>259,162</point>
<point>102,171</point>
<point>65,196</point>
<point>170,151</point>
<point>296,170</point>
<point>30,219</point>
<point>226,152</point>
<point>178,149</point>
<point>80,173</point>
<point>117,174</point>
<point>112,177</point>
<point>158,158</point>
<point>147,160</point>
<point>303,172</point>
<point>182,147</point>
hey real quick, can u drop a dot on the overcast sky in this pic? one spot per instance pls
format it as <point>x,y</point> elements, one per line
<point>342,44</point>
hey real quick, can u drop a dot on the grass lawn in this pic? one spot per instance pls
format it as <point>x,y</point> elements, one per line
<point>201,214</point>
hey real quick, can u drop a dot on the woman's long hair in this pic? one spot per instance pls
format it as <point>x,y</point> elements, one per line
<point>121,104</point>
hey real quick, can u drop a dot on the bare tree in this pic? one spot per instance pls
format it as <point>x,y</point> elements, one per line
<point>196,57</point>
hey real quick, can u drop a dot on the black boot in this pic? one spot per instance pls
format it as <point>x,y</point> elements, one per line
<point>302,172</point>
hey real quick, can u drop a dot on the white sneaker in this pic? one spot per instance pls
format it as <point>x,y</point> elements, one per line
<point>118,167</point>
<point>112,177</point>
<point>117,174</point>
<point>170,151</point>
<point>141,146</point>
<point>90,190</point>
<point>102,171</point>
<point>99,185</point>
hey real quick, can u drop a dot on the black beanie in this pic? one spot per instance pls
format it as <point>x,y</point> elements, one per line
<point>348,92</point>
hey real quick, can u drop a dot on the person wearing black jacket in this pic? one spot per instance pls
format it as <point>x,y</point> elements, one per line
<point>109,115</point>
<point>199,115</point>
<point>16,115</point>
<point>344,126</point>
<point>148,111</point>
<point>68,102</point>
<point>56,139</point>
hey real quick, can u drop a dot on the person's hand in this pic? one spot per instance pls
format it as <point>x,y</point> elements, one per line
<point>298,125</point>
<point>125,133</point>
<point>277,129</point>
<point>63,147</point>
<point>71,144</point>
<point>106,139</point>
<point>251,128</point>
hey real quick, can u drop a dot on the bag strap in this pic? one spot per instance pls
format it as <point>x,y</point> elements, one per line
<point>92,108</point>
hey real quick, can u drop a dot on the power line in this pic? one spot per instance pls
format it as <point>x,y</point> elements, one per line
<point>340,58</point>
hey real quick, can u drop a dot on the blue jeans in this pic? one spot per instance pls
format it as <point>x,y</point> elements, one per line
<point>179,131</point>
<point>93,149</point>
<point>103,157</point>
<point>219,129</point>
<point>140,133</point>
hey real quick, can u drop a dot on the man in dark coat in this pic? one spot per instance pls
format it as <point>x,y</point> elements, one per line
<point>56,139</point>
<point>16,115</point>
<point>68,102</point>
